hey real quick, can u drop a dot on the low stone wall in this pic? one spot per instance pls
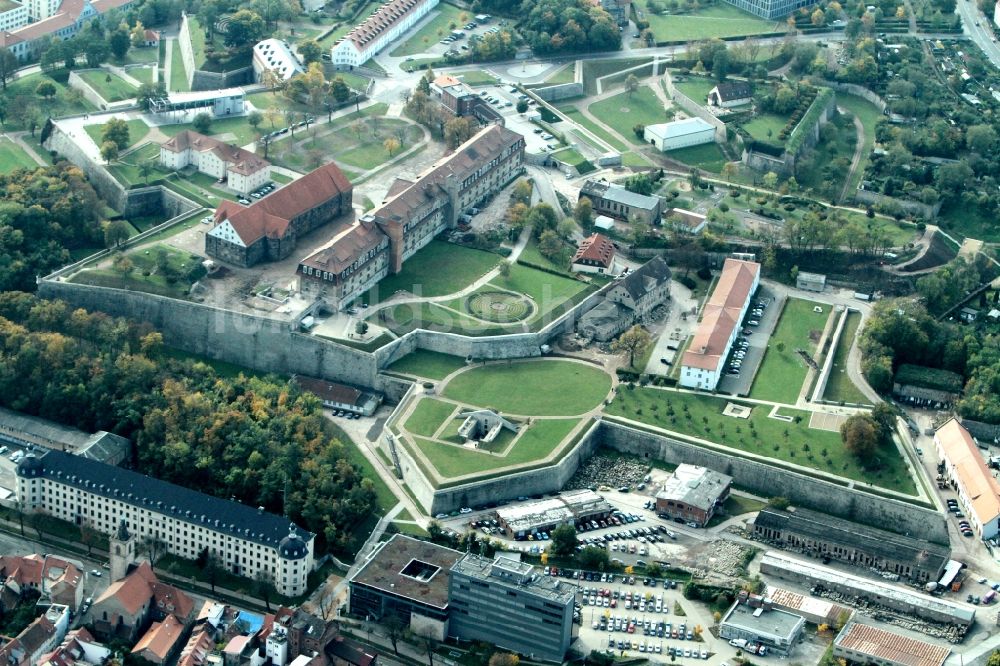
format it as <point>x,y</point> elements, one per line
<point>767,481</point>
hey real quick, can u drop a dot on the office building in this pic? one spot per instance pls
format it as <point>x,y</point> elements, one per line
<point>503,602</point>
<point>864,644</point>
<point>52,20</point>
<point>573,507</point>
<point>978,490</point>
<point>703,361</point>
<point>679,134</point>
<point>771,10</point>
<point>756,620</point>
<point>820,535</point>
<point>693,494</point>
<point>246,541</point>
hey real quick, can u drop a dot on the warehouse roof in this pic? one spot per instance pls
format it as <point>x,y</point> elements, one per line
<point>695,486</point>
<point>882,645</point>
<point>679,128</point>
<point>970,468</point>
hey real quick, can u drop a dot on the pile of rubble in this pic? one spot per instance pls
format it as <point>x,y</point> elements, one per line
<point>949,632</point>
<point>724,557</point>
<point>603,470</point>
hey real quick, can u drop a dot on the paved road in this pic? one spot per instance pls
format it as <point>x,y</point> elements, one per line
<point>979,28</point>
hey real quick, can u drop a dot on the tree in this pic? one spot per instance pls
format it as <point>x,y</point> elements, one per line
<point>116,131</point>
<point>89,537</point>
<point>770,180</point>
<point>654,570</point>
<point>522,191</point>
<point>245,28</point>
<point>583,212</point>
<point>109,151</point>
<point>592,558</point>
<point>391,145</point>
<point>263,587</point>
<point>860,437</point>
<point>522,106</point>
<point>981,139</point>
<point>115,233</point>
<point>137,35</point>
<point>639,183</point>
<point>631,85</point>
<point>311,51</point>
<point>430,644</point>
<point>148,92</point>
<point>213,570</point>
<point>504,659</point>
<point>818,18</point>
<point>202,122</point>
<point>361,327</point>
<point>457,131</point>
<point>395,629</point>
<point>8,65</point>
<point>119,42</point>
<point>46,90</point>
<point>339,90</point>
<point>563,540</point>
<point>634,342</point>
<point>123,265</point>
<point>549,243</point>
<point>254,119</point>
<point>504,270</point>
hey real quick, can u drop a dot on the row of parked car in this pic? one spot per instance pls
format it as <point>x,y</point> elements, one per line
<point>742,344</point>
<point>963,525</point>
<point>257,194</point>
<point>646,627</point>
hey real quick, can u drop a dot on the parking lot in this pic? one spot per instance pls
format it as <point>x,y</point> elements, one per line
<point>756,341</point>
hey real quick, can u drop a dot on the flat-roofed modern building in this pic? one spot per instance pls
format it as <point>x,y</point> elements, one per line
<point>756,620</point>
<point>693,494</point>
<point>905,601</point>
<point>820,535</point>
<point>407,578</point>
<point>702,363</point>
<point>571,507</point>
<point>679,134</point>
<point>246,541</point>
<point>978,491</point>
<point>864,644</point>
<point>770,9</point>
<point>504,602</point>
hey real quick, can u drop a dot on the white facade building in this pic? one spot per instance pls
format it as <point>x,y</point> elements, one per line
<point>702,363</point>
<point>978,490</point>
<point>679,134</point>
<point>243,171</point>
<point>247,542</point>
<point>275,55</point>
<point>13,15</point>
<point>379,30</point>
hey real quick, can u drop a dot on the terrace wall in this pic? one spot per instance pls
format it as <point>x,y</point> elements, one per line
<point>560,91</point>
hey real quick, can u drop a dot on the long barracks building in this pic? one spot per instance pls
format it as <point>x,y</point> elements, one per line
<point>246,541</point>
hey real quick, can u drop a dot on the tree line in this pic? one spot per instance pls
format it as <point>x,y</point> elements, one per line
<point>257,439</point>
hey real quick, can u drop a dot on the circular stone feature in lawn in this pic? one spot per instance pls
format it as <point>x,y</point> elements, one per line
<point>532,388</point>
<point>499,306</point>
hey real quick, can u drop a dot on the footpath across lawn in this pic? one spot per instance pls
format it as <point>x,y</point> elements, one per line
<point>439,269</point>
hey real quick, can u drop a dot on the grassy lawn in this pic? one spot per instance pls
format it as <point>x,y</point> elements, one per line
<point>760,125</point>
<point>428,416</point>
<point>720,20</point>
<point>422,273</point>
<point>126,170</point>
<point>782,372</point>
<point>535,443</point>
<point>236,130</point>
<point>564,75</point>
<point>111,87</point>
<point>355,81</point>
<point>622,112</point>
<point>570,156</point>
<point>141,55</point>
<point>186,266</point>
<point>819,449</point>
<point>576,116</point>
<point>12,156</point>
<point>141,74</point>
<point>413,65</point>
<point>707,156</point>
<point>137,131</point>
<point>476,77</point>
<point>532,388</point>
<point>869,116</point>
<point>839,387</point>
<point>428,364</point>
<point>20,94</point>
<point>178,75</point>
<point>530,254</point>
<point>825,167</point>
<point>361,150</point>
<point>551,293</point>
<point>695,87</point>
<point>433,31</point>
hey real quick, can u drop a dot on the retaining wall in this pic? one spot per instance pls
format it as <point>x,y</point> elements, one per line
<point>694,108</point>
<point>76,82</point>
<point>560,91</point>
<point>767,481</point>
<point>824,375</point>
<point>199,79</point>
<point>104,183</point>
<point>187,50</point>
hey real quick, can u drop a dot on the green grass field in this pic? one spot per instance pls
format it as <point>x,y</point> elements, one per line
<point>363,150</point>
<point>570,156</point>
<point>707,156</point>
<point>428,364</point>
<point>695,87</point>
<point>111,87</point>
<point>782,372</point>
<point>563,75</point>
<point>576,116</point>
<point>530,254</point>
<point>137,131</point>
<point>12,157</point>
<point>549,292</point>
<point>622,112</point>
<point>839,386</point>
<point>20,96</point>
<point>720,20</point>
<point>759,127</point>
<point>422,273</point>
<point>818,449</point>
<point>146,276</point>
<point>433,31</point>
<point>535,443</point>
<point>141,74</point>
<point>126,169</point>
<point>869,116</point>
<point>178,75</point>
<point>428,416</point>
<point>532,388</point>
<point>236,130</point>
<point>476,77</point>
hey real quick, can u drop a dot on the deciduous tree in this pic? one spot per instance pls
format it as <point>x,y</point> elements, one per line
<point>634,342</point>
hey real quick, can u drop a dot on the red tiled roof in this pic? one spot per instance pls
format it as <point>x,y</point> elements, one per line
<point>384,18</point>
<point>721,314</point>
<point>889,646</point>
<point>157,643</point>
<point>241,161</point>
<point>970,468</point>
<point>269,217</point>
<point>596,248</point>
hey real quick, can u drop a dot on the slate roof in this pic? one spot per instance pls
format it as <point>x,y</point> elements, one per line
<point>239,160</point>
<point>731,90</point>
<point>596,248</point>
<point>644,279</point>
<point>269,217</point>
<point>171,500</point>
<point>345,248</point>
<point>618,194</point>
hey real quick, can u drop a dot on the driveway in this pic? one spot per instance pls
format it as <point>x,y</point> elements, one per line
<point>678,325</point>
<point>758,345</point>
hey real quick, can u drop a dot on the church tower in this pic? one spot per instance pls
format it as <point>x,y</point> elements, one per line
<point>122,551</point>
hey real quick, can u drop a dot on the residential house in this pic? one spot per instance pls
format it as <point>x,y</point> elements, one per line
<point>729,94</point>
<point>617,202</point>
<point>159,644</point>
<point>269,228</point>
<point>58,581</point>
<point>377,31</point>
<point>276,56</point>
<point>78,648</point>
<point>596,254</point>
<point>679,134</point>
<point>37,639</point>
<point>343,651</point>
<point>242,170</point>
<point>199,646</point>
<point>686,221</point>
<point>340,396</point>
<point>150,39</point>
<point>628,301</point>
